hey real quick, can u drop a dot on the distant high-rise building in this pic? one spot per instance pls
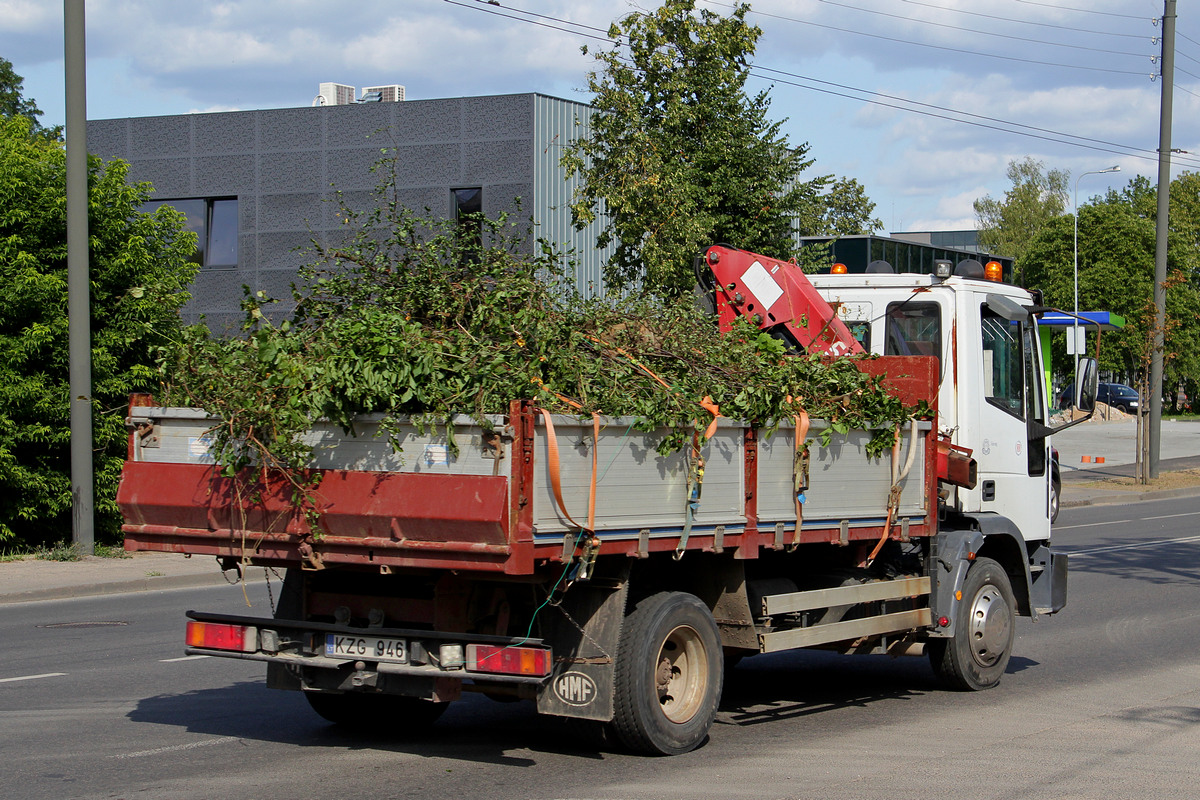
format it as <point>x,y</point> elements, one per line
<point>383,94</point>
<point>334,94</point>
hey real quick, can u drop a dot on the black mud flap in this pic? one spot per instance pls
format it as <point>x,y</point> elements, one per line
<point>583,631</point>
<point>1049,572</point>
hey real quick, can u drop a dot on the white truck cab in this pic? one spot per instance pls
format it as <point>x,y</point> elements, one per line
<point>992,398</point>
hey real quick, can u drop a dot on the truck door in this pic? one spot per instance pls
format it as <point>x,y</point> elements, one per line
<point>1013,474</point>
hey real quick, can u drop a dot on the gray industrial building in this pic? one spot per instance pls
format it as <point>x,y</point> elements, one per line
<point>258,186</point>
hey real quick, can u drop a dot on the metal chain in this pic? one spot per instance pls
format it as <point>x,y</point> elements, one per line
<point>582,632</point>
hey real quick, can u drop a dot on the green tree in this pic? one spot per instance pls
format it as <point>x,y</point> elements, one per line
<point>680,156</point>
<point>139,273</point>
<point>845,210</point>
<point>1008,226</point>
<point>1183,243</point>
<point>1181,366</point>
<point>1116,273</point>
<point>13,103</point>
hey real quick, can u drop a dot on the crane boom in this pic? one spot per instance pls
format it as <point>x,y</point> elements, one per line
<point>775,295</point>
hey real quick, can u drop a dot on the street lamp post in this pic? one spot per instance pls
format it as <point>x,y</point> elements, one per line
<point>1075,329</point>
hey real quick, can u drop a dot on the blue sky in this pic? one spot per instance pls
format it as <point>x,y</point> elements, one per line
<point>1067,82</point>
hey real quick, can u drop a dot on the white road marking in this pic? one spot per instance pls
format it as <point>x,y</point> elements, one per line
<point>1125,521</point>
<point>176,748</point>
<point>1133,546</point>
<point>1093,524</point>
<point>33,677</point>
<point>181,658</point>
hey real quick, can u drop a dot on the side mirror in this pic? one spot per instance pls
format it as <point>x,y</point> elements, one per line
<point>1087,383</point>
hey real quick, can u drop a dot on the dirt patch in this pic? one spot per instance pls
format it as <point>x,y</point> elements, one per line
<point>1181,479</point>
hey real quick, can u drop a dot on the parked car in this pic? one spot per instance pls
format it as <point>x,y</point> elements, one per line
<point>1116,395</point>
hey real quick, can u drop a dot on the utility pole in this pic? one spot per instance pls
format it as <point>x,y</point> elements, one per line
<point>1154,431</point>
<point>79,314</point>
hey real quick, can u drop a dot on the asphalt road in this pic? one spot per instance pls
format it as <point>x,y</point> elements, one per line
<point>1101,701</point>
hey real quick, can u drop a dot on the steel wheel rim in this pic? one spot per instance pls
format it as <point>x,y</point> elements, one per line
<point>991,626</point>
<point>681,674</point>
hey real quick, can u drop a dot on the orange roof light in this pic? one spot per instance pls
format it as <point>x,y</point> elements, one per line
<point>838,269</point>
<point>993,271</point>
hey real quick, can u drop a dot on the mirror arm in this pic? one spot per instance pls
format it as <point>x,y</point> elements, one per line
<point>1039,431</point>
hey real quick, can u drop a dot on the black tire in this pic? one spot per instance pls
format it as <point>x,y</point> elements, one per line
<point>376,713</point>
<point>977,655</point>
<point>1055,496</point>
<point>668,675</point>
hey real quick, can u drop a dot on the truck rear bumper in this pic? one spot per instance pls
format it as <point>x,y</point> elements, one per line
<point>356,657</point>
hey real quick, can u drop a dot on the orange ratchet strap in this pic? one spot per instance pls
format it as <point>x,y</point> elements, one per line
<point>552,462</point>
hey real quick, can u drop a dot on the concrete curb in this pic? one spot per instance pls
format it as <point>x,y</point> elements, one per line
<point>1114,497</point>
<point>155,584</point>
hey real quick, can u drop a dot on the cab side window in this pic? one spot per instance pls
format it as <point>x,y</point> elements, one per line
<point>1011,378</point>
<point>1003,365</point>
<point>913,329</point>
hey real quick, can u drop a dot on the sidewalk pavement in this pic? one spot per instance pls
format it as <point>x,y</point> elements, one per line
<point>1078,487</point>
<point>34,579</point>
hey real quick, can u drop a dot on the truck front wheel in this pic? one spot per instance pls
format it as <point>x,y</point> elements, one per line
<point>668,675</point>
<point>977,655</point>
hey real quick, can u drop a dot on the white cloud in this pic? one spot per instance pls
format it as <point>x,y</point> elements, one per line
<point>153,57</point>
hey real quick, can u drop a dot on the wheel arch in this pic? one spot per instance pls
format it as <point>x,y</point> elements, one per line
<point>971,536</point>
<point>1003,543</point>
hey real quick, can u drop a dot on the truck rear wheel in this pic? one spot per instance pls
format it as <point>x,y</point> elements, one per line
<point>377,713</point>
<point>977,655</point>
<point>668,675</point>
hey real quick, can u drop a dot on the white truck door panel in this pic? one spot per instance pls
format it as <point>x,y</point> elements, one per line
<point>1013,469</point>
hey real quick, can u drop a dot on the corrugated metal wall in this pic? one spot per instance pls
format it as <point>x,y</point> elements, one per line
<point>557,123</point>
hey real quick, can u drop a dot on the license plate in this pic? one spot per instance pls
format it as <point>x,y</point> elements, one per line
<point>373,648</point>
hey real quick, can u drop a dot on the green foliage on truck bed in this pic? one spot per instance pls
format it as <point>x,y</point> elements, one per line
<point>413,317</point>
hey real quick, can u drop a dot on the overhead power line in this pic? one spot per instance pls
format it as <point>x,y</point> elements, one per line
<point>945,48</point>
<point>861,95</point>
<point>1081,10</point>
<point>1053,135</point>
<point>976,31</point>
<point>989,123</point>
<point>492,10</point>
<point>1014,20</point>
<point>1185,72</point>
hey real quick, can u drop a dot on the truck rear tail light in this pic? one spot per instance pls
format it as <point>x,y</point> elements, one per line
<point>508,660</point>
<point>220,636</point>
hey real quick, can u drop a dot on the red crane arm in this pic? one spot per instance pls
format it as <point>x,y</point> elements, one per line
<point>774,294</point>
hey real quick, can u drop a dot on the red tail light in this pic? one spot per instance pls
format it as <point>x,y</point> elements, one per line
<point>508,660</point>
<point>217,636</point>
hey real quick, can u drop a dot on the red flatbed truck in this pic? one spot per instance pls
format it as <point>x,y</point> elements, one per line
<point>564,561</point>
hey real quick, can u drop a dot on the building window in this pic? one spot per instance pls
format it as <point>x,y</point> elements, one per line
<point>468,212</point>
<point>214,220</point>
